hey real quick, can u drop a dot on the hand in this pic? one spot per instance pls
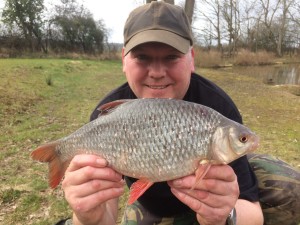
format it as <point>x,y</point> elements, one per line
<point>213,197</point>
<point>92,190</point>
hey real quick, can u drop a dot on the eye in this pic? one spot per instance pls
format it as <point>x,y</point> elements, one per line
<point>142,57</point>
<point>172,57</point>
<point>243,138</point>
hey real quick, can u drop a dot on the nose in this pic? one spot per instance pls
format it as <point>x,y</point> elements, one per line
<point>156,69</point>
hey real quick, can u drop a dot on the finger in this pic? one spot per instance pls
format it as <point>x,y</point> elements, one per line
<point>84,160</point>
<point>90,202</point>
<point>218,187</point>
<point>91,187</point>
<point>211,199</point>
<point>200,207</point>
<point>221,172</point>
<point>88,173</point>
<point>218,176</point>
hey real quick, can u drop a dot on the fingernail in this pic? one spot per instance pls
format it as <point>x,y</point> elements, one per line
<point>123,181</point>
<point>120,190</point>
<point>101,162</point>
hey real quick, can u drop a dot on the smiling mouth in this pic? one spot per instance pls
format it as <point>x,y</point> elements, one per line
<point>157,86</point>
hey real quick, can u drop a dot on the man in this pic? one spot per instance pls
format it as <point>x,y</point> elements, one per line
<point>158,61</point>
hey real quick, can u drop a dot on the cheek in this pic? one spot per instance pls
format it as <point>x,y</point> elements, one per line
<point>132,80</point>
<point>183,87</point>
<point>132,72</point>
<point>135,75</point>
<point>182,75</point>
<point>135,79</point>
<point>182,80</point>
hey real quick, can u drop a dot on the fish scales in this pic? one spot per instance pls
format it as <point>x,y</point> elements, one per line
<point>154,140</point>
<point>157,139</point>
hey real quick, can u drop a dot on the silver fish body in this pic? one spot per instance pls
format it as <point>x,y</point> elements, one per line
<point>157,139</point>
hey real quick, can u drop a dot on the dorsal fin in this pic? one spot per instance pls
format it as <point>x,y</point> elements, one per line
<point>108,107</point>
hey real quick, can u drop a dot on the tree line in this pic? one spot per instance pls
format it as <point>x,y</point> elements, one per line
<point>69,27</point>
<point>271,25</point>
<point>225,25</point>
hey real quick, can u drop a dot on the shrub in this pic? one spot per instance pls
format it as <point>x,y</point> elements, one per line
<point>247,58</point>
<point>204,58</point>
<point>49,80</point>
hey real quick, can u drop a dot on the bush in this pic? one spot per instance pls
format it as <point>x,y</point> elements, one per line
<point>247,58</point>
<point>204,58</point>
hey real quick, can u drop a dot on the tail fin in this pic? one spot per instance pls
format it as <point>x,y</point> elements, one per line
<point>57,168</point>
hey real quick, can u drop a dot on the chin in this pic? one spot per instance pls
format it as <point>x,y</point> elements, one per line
<point>159,93</point>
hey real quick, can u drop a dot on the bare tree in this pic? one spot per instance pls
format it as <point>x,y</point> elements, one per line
<point>213,16</point>
<point>268,14</point>
<point>249,21</point>
<point>295,17</point>
<point>276,19</point>
<point>230,12</point>
<point>286,4</point>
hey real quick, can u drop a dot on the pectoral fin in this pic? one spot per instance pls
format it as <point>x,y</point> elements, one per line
<point>201,172</point>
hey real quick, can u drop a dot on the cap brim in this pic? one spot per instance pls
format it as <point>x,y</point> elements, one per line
<point>180,43</point>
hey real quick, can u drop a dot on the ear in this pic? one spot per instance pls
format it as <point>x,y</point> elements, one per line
<point>123,60</point>
<point>192,60</point>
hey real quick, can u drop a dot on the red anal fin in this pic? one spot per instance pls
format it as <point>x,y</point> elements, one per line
<point>200,173</point>
<point>137,189</point>
<point>57,168</point>
<point>106,108</point>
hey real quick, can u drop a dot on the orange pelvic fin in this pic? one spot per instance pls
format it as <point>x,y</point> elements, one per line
<point>137,189</point>
<point>57,168</point>
<point>201,172</point>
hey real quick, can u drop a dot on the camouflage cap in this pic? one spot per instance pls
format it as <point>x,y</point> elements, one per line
<point>158,22</point>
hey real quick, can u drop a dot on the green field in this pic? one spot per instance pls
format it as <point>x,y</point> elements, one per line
<point>45,99</point>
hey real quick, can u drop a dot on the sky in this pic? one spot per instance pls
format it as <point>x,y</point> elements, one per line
<point>113,12</point>
<point>113,17</point>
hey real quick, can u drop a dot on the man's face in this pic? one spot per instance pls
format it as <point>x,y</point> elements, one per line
<point>156,70</point>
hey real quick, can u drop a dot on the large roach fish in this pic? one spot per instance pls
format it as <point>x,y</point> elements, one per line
<point>152,140</point>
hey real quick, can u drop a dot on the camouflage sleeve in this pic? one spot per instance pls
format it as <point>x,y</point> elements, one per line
<point>136,214</point>
<point>279,189</point>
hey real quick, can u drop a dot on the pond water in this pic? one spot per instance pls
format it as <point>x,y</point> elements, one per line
<point>274,75</point>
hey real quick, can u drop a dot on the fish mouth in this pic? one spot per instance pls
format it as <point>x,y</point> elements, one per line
<point>255,144</point>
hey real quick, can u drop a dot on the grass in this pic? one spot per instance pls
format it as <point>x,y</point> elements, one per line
<point>45,99</point>
<point>271,111</point>
<point>33,112</point>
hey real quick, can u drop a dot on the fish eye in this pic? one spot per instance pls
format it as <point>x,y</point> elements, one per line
<point>243,138</point>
